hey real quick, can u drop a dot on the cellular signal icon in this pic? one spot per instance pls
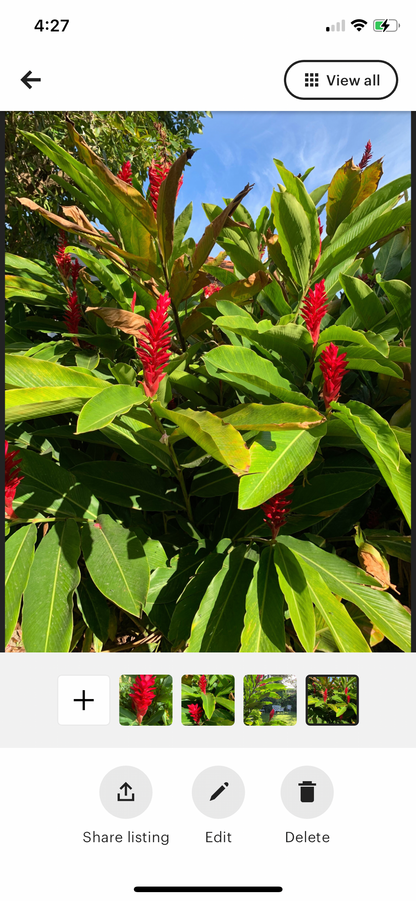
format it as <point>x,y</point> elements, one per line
<point>359,24</point>
<point>339,26</point>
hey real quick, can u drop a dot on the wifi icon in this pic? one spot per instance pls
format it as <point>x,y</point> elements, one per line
<point>359,24</point>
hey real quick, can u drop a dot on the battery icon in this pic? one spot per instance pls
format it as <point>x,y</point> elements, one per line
<point>385,25</point>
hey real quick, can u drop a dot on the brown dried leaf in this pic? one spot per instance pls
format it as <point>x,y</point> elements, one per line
<point>375,568</point>
<point>131,323</point>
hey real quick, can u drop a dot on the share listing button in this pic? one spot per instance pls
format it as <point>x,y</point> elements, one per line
<point>328,79</point>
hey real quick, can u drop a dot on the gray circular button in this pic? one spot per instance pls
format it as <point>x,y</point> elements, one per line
<point>307,792</point>
<point>218,792</point>
<point>125,792</point>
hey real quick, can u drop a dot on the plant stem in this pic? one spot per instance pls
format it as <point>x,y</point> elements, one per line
<point>178,469</point>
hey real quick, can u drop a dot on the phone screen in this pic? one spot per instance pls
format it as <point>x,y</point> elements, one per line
<point>207,453</point>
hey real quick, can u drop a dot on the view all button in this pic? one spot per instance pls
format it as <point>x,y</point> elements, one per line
<point>328,79</point>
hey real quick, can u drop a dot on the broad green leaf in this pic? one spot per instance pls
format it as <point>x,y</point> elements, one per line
<point>191,597</point>
<point>181,227</point>
<point>294,232</point>
<point>264,629</point>
<point>339,333</point>
<point>94,608</point>
<point>348,188</point>
<point>389,259</point>
<point>48,488</point>
<point>22,404</point>
<point>364,301</point>
<point>381,200</point>
<point>391,542</point>
<point>296,187</point>
<point>126,484</point>
<point>24,372</point>
<point>326,493</point>
<point>48,598</point>
<point>276,459</point>
<point>271,417</point>
<point>381,442</point>
<point>247,365</point>
<point>214,481</point>
<point>143,445</point>
<point>219,621</point>
<point>208,703</point>
<point>399,294</point>
<point>101,269</point>
<point>353,584</point>
<point>117,563</point>
<point>296,592</point>
<point>166,204</point>
<point>21,287</point>
<point>219,439</point>
<point>19,552</point>
<point>371,360</point>
<point>102,409</point>
<point>124,373</point>
<point>290,341</point>
<point>168,582</point>
<point>348,637</point>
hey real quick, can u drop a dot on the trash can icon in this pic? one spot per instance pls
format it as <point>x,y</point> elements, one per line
<point>307,791</point>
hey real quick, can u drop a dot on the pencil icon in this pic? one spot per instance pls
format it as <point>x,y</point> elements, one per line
<point>219,791</point>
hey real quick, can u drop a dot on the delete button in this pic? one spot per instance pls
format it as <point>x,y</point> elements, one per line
<point>347,79</point>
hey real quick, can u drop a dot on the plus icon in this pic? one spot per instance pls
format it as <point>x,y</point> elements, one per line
<point>83,700</point>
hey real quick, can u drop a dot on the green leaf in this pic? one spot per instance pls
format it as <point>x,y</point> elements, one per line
<point>381,442</point>
<point>102,409</point>
<point>208,703</point>
<point>25,372</point>
<point>166,204</point>
<point>264,629</point>
<point>101,269</point>
<point>191,597</point>
<point>391,542</point>
<point>276,459</point>
<point>347,636</point>
<point>294,232</point>
<point>19,554</point>
<point>326,493</point>
<point>22,404</point>
<point>349,187</point>
<point>143,445</point>
<point>271,417</point>
<point>49,488</point>
<point>364,301</point>
<point>219,622</point>
<point>94,608</point>
<point>353,584</point>
<point>117,563</point>
<point>219,439</point>
<point>214,481</point>
<point>124,374</point>
<point>48,598</point>
<point>399,294</point>
<point>296,187</point>
<point>297,595</point>
<point>339,333</point>
<point>125,484</point>
<point>245,364</point>
<point>290,341</point>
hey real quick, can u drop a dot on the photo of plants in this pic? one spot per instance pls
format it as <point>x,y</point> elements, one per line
<point>270,700</point>
<point>145,700</point>
<point>332,700</point>
<point>207,432</point>
<point>208,700</point>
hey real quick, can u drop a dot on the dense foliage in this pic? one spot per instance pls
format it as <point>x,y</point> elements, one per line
<point>208,700</point>
<point>198,438</point>
<point>332,701</point>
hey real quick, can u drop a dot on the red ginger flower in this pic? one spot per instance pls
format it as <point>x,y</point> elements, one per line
<point>12,479</point>
<point>73,314</point>
<point>124,173</point>
<point>325,694</point>
<point>315,305</point>
<point>276,510</point>
<point>195,712</point>
<point>143,695</point>
<point>203,684</point>
<point>333,368</point>
<point>348,699</point>
<point>366,157</point>
<point>211,289</point>
<point>271,714</point>
<point>62,259</point>
<point>153,349</point>
<point>258,679</point>
<point>157,174</point>
<point>133,302</point>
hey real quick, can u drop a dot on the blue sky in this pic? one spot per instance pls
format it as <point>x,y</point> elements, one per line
<point>238,147</point>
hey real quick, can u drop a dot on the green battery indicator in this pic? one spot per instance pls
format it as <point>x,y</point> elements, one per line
<point>384,25</point>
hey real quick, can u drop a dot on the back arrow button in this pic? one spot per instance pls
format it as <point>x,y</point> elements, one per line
<point>26,79</point>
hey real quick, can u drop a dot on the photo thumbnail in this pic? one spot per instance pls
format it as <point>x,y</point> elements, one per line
<point>208,700</point>
<point>270,700</point>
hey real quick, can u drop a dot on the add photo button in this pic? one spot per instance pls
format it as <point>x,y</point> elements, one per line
<point>341,79</point>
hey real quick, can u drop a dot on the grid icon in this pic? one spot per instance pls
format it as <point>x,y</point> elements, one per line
<point>311,79</point>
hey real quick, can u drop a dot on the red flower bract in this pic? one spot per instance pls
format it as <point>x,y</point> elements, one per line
<point>315,306</point>
<point>142,695</point>
<point>195,712</point>
<point>62,259</point>
<point>157,173</point>
<point>325,694</point>
<point>12,479</point>
<point>333,368</point>
<point>153,349</point>
<point>73,314</point>
<point>271,714</point>
<point>276,510</point>
<point>211,289</point>
<point>124,173</point>
<point>203,684</point>
<point>366,157</point>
